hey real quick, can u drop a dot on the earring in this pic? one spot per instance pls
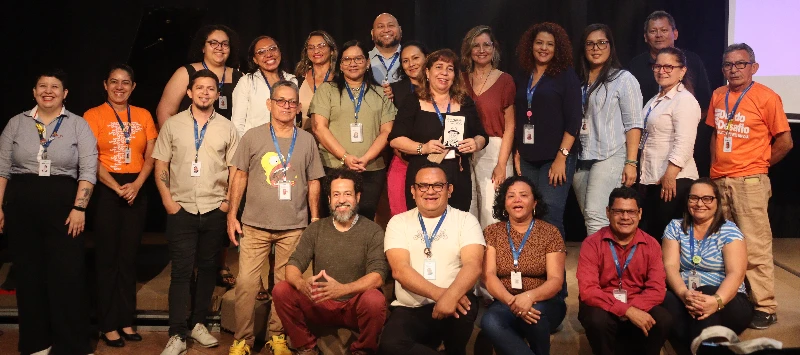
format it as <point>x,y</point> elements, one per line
<point>534,211</point>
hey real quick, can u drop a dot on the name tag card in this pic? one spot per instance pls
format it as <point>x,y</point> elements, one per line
<point>285,191</point>
<point>516,280</point>
<point>128,155</point>
<point>44,167</point>
<point>527,134</point>
<point>621,295</point>
<point>195,169</point>
<point>223,102</point>
<point>694,282</point>
<point>429,269</point>
<point>356,133</point>
<point>584,127</point>
<point>727,144</point>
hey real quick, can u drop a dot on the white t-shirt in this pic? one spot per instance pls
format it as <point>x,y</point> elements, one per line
<point>458,230</point>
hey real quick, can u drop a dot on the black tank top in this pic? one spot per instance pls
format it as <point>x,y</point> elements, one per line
<point>227,91</point>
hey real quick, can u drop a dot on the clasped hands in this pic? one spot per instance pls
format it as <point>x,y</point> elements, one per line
<point>321,291</point>
<point>699,305</point>
<point>522,306</point>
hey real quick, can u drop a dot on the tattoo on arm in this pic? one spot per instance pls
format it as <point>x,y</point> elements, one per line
<point>83,201</point>
<point>164,177</point>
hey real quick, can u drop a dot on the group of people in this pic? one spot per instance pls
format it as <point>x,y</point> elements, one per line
<point>477,165</point>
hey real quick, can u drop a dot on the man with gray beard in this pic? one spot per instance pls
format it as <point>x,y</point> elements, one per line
<point>349,269</point>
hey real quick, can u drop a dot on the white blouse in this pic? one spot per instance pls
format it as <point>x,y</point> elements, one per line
<point>250,101</point>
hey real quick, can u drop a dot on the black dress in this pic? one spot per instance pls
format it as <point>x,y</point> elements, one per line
<point>402,90</point>
<point>227,91</point>
<point>422,126</point>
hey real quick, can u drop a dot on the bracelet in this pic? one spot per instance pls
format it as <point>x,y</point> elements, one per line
<point>632,162</point>
<point>79,208</point>
<point>720,305</point>
<point>419,149</point>
<point>343,157</point>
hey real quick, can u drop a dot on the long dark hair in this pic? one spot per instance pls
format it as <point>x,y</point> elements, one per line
<point>562,58</point>
<point>611,68</point>
<point>719,217</point>
<point>499,208</point>
<point>402,73</point>
<point>368,78</point>
<point>680,57</point>
<point>252,67</point>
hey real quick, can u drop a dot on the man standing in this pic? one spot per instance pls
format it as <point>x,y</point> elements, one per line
<point>622,282</point>
<point>752,134</point>
<point>193,156</point>
<point>660,32</point>
<point>280,167</point>
<point>385,57</point>
<point>349,268</point>
<point>436,255</point>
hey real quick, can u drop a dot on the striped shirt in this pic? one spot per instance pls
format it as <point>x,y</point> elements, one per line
<point>612,109</point>
<point>712,267</point>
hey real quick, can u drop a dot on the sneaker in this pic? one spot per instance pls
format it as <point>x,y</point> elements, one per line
<point>278,346</point>
<point>175,346</point>
<point>43,352</point>
<point>239,347</point>
<point>202,337</point>
<point>762,320</point>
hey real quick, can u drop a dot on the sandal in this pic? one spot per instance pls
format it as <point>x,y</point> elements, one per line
<point>263,294</point>
<point>225,277</point>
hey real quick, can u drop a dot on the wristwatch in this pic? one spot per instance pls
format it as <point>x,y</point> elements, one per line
<point>720,305</point>
<point>564,151</point>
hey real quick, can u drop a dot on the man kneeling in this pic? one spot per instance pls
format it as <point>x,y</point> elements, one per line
<point>349,268</point>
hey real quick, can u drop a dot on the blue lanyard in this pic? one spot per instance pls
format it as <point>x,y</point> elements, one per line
<point>221,81</point>
<point>584,94</point>
<point>514,251</point>
<point>198,139</point>
<point>360,97</point>
<point>616,260</point>
<point>699,259</point>
<point>531,90</point>
<point>285,163</point>
<point>429,240</point>
<point>735,106</point>
<point>127,133</point>
<point>314,77</point>
<point>45,142</point>
<point>439,113</point>
<point>650,109</point>
<point>389,68</point>
<point>413,88</point>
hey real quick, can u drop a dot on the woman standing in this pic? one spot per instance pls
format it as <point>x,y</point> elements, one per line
<point>251,93</point>
<point>611,126</point>
<point>352,120</point>
<point>48,167</point>
<point>317,61</point>
<point>419,128</point>
<point>670,122</point>
<point>548,115</point>
<point>125,138</point>
<point>493,92</point>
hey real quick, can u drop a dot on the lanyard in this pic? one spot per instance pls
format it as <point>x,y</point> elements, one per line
<point>439,113</point>
<point>269,86</point>
<point>198,139</point>
<point>40,127</point>
<point>360,97</point>
<point>314,77</point>
<point>584,95</point>
<point>221,81</point>
<point>429,240</point>
<point>514,251</point>
<point>696,259</point>
<point>412,86</point>
<point>650,109</point>
<point>531,90</point>
<point>735,106</point>
<point>616,260</point>
<point>285,163</point>
<point>127,133</point>
<point>389,68</point>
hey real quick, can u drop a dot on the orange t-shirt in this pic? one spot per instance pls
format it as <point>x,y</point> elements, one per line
<point>111,139</point>
<point>758,119</point>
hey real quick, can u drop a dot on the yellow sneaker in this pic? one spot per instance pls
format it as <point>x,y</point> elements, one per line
<point>278,345</point>
<point>239,347</point>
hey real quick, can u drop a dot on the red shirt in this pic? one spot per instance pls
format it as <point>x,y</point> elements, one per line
<point>644,278</point>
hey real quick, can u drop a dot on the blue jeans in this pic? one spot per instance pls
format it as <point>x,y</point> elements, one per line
<point>508,333</point>
<point>594,180</point>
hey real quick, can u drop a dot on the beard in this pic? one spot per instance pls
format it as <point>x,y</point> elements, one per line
<point>394,42</point>
<point>202,107</point>
<point>342,217</point>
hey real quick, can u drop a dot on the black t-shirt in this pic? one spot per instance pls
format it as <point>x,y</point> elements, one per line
<point>401,90</point>
<point>227,91</point>
<point>641,67</point>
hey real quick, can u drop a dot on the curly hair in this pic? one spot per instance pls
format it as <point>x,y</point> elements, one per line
<point>199,41</point>
<point>304,65</point>
<point>457,90</point>
<point>562,58</point>
<point>466,47</point>
<point>343,172</point>
<point>499,208</point>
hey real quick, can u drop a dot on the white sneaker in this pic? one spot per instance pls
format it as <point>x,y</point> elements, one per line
<point>43,352</point>
<point>202,337</point>
<point>175,346</point>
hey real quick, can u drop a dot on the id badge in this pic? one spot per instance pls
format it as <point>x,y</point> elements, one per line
<point>356,133</point>
<point>516,280</point>
<point>44,167</point>
<point>584,127</point>
<point>223,102</point>
<point>621,295</point>
<point>285,191</point>
<point>195,168</point>
<point>128,155</point>
<point>694,282</point>
<point>429,269</point>
<point>727,144</point>
<point>527,134</point>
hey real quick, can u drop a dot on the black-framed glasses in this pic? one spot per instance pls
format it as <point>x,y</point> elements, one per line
<point>618,212</point>
<point>601,45</point>
<point>437,187</point>
<point>283,102</point>
<point>667,67</point>
<point>706,199</point>
<point>263,51</point>
<point>218,45</point>
<point>319,46</point>
<point>739,65</point>
<point>358,60</point>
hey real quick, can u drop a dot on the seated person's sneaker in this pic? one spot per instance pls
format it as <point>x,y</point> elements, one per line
<point>278,345</point>
<point>239,347</point>
<point>175,346</point>
<point>202,337</point>
<point>762,320</point>
<point>43,352</point>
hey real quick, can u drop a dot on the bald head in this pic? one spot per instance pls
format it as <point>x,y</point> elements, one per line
<point>386,31</point>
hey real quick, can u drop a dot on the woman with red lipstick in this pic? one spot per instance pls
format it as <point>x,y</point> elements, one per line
<point>316,66</point>
<point>419,127</point>
<point>251,93</point>
<point>125,136</point>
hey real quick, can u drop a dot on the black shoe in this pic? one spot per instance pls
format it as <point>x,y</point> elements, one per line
<point>130,337</point>
<point>112,343</point>
<point>762,320</point>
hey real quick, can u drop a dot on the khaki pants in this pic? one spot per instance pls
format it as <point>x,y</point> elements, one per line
<point>744,201</point>
<point>254,249</point>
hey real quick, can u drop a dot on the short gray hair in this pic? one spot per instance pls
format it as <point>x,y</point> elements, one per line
<point>282,83</point>
<point>740,47</point>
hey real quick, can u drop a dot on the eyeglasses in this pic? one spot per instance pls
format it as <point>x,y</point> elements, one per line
<point>739,65</point>
<point>219,45</point>
<point>283,102</point>
<point>437,187</point>
<point>358,60</point>
<point>319,46</point>
<point>263,51</point>
<point>483,46</point>
<point>601,45</point>
<point>706,199</point>
<point>618,212</point>
<point>667,68</point>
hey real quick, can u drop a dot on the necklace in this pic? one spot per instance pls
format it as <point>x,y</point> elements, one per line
<point>480,91</point>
